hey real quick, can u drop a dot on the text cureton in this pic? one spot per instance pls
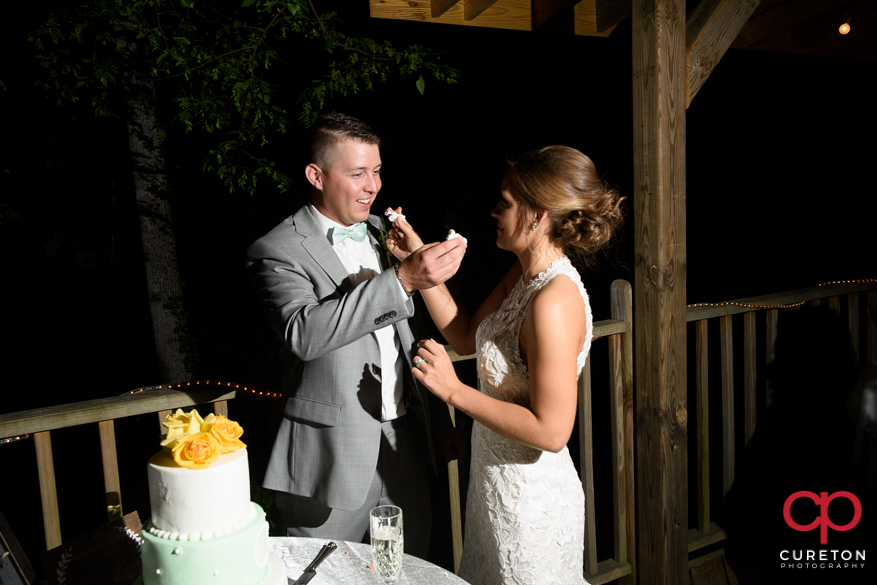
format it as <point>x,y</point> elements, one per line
<point>822,555</point>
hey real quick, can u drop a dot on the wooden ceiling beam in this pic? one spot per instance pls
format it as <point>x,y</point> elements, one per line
<point>472,8</point>
<point>611,12</point>
<point>711,28</point>
<point>439,7</point>
<point>506,14</point>
<point>585,20</point>
<point>545,9</point>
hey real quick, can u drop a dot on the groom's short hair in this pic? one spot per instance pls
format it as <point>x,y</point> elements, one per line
<point>331,129</point>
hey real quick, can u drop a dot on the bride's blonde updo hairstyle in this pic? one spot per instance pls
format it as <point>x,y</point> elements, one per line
<point>584,212</point>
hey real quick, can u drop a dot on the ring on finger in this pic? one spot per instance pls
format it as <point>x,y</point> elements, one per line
<point>418,361</point>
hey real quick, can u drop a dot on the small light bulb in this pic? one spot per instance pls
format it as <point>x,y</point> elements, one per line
<point>844,28</point>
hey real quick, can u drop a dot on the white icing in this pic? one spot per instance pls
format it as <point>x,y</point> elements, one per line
<point>452,234</point>
<point>260,547</point>
<point>193,504</point>
<point>393,216</point>
<point>201,535</point>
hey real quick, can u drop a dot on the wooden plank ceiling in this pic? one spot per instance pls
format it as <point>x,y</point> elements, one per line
<point>787,26</point>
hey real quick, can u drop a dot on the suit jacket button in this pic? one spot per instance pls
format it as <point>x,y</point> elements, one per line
<point>392,314</point>
<point>378,321</point>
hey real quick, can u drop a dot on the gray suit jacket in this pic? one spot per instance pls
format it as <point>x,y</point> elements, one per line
<point>329,437</point>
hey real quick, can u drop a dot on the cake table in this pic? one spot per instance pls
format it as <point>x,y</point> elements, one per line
<point>349,565</point>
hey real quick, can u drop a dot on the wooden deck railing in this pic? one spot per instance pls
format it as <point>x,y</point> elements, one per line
<point>40,422</point>
<point>707,531</point>
<point>619,334</point>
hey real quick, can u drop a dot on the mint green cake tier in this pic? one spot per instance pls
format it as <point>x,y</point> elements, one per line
<point>240,558</point>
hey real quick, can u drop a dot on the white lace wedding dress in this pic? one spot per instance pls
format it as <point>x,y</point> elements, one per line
<point>525,510</point>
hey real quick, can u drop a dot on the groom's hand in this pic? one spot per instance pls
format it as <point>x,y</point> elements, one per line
<point>432,264</point>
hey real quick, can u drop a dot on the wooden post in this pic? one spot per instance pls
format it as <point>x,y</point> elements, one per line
<point>703,425</point>
<point>771,328</point>
<point>728,452</point>
<point>48,491</point>
<point>220,408</point>
<point>112,487</point>
<point>659,85</point>
<point>853,324</point>
<point>750,410</point>
<point>871,328</point>
<point>621,372</point>
<point>586,459</point>
<point>456,508</point>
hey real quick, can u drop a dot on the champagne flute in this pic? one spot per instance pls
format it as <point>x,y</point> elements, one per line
<point>388,543</point>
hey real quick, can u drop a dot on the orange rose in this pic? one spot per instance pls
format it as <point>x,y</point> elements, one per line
<point>226,432</point>
<point>196,451</point>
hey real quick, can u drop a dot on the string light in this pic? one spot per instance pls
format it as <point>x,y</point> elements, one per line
<point>862,281</point>
<point>845,27</point>
<point>789,306</point>
<point>753,306</point>
<point>745,305</point>
<point>171,387</point>
<point>278,395</point>
<point>205,382</point>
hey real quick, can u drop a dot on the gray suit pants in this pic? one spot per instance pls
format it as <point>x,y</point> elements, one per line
<point>400,480</point>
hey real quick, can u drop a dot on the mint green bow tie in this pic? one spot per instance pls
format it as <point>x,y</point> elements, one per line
<point>356,232</point>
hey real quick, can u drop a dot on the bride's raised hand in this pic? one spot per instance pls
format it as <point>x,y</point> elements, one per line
<point>402,240</point>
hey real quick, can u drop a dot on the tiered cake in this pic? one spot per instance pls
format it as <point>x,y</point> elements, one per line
<point>204,528</point>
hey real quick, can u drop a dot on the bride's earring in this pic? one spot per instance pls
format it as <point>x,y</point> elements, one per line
<point>535,223</point>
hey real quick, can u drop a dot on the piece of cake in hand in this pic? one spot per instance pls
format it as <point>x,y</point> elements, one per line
<point>452,234</point>
<point>392,215</point>
<point>204,528</point>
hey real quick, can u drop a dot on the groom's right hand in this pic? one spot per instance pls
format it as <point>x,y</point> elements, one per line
<point>432,264</point>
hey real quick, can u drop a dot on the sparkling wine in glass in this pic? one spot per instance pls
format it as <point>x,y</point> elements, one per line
<point>388,543</point>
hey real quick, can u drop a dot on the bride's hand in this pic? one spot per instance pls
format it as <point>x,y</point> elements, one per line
<point>433,369</point>
<point>402,240</point>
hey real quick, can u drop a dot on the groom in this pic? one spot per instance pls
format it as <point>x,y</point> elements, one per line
<point>357,430</point>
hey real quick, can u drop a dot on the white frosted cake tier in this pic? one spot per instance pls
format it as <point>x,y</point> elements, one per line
<point>199,504</point>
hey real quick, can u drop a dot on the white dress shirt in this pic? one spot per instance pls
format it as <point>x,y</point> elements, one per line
<point>362,263</point>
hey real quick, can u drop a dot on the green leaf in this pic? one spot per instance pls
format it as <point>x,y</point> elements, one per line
<point>420,84</point>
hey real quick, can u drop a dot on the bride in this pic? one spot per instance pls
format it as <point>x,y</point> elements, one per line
<point>525,511</point>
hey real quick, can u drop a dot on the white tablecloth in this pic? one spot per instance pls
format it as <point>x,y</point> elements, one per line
<point>349,565</point>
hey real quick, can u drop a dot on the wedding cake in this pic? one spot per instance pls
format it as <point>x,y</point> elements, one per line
<point>204,528</point>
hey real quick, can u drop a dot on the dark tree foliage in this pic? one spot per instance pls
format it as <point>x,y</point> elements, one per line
<point>228,69</point>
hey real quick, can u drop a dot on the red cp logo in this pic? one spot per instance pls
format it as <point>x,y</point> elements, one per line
<point>823,522</point>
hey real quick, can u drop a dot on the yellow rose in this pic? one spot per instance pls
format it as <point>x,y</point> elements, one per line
<point>181,423</point>
<point>226,432</point>
<point>196,451</point>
